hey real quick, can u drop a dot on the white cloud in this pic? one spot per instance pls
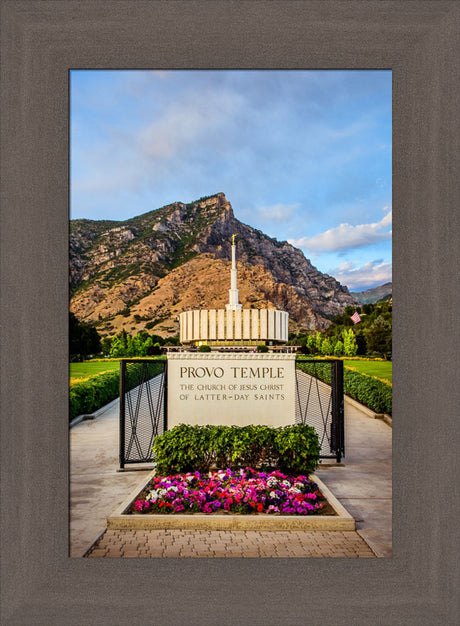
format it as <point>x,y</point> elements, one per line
<point>346,236</point>
<point>181,133</point>
<point>196,120</point>
<point>368,275</point>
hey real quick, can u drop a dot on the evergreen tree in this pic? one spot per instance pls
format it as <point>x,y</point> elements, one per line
<point>105,345</point>
<point>83,338</point>
<point>124,341</point>
<point>379,337</point>
<point>130,346</point>
<point>361,343</point>
<point>318,342</point>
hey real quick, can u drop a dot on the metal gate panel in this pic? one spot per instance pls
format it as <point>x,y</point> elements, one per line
<point>143,408</point>
<point>319,403</point>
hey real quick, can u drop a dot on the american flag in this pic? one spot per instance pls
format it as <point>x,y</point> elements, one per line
<point>355,317</point>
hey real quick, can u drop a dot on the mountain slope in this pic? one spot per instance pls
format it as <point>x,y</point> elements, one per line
<point>370,296</point>
<point>176,258</point>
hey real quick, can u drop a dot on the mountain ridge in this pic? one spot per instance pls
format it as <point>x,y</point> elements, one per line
<point>371,296</point>
<point>116,265</point>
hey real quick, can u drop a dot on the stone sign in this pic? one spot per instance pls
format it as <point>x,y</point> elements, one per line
<point>231,389</point>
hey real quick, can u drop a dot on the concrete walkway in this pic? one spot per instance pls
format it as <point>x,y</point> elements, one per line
<point>362,484</point>
<point>96,487</point>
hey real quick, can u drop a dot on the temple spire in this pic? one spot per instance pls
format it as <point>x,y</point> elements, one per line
<point>233,304</point>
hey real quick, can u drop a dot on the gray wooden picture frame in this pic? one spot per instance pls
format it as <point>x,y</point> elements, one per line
<point>41,41</point>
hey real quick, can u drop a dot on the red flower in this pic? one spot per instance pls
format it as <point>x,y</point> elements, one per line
<point>260,507</point>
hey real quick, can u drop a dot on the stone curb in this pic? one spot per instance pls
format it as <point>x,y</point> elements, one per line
<point>369,412</point>
<point>342,521</point>
<point>91,416</point>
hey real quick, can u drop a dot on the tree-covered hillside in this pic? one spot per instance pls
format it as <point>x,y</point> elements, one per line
<point>370,337</point>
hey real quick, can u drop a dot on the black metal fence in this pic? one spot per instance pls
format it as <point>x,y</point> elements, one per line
<point>143,405</point>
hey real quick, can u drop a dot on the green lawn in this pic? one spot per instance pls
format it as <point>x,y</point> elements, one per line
<point>84,370</point>
<point>379,369</point>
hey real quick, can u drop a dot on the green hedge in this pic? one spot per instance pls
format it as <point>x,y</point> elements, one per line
<point>97,391</point>
<point>369,391</point>
<point>185,448</point>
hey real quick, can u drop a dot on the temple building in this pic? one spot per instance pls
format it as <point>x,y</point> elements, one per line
<point>234,326</point>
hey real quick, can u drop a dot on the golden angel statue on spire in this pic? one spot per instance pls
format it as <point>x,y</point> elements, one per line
<point>233,239</point>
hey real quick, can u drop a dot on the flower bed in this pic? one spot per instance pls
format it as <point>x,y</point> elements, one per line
<point>242,492</point>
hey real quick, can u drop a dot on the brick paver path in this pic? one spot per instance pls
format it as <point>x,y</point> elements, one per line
<point>242,543</point>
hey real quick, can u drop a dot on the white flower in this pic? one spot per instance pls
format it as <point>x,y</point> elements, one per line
<point>272,494</point>
<point>286,483</point>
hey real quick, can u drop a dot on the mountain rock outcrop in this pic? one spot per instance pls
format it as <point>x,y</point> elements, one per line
<point>146,270</point>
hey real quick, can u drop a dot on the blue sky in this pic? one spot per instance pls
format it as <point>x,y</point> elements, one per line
<point>303,155</point>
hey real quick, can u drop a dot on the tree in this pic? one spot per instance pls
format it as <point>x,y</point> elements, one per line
<point>157,339</point>
<point>105,345</point>
<point>338,348</point>
<point>148,344</point>
<point>139,346</point>
<point>326,347</point>
<point>379,337</point>
<point>361,343</point>
<point>318,342</point>
<point>311,344</point>
<point>117,350</point>
<point>349,343</point>
<point>173,340</point>
<point>83,338</point>
<point>130,347</point>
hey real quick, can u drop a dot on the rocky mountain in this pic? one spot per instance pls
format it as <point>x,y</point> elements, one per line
<point>376,294</point>
<point>144,271</point>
